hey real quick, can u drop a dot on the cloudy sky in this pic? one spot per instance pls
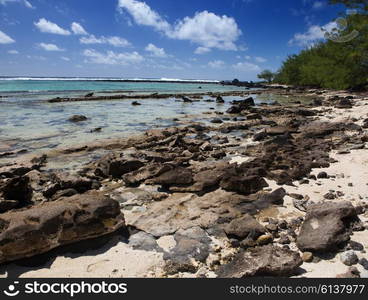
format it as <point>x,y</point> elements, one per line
<point>197,39</point>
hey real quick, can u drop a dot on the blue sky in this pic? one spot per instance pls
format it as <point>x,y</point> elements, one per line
<point>196,39</point>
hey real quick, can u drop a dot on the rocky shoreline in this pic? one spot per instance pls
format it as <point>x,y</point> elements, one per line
<point>252,194</point>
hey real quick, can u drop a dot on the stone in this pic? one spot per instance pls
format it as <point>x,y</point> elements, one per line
<point>264,239</point>
<point>284,240</point>
<point>192,246</point>
<point>352,272</point>
<point>244,227</point>
<point>116,166</point>
<point>245,185</point>
<point>326,226</point>
<point>307,256</point>
<point>77,118</point>
<point>25,233</point>
<point>364,263</point>
<point>136,103</point>
<point>16,189</point>
<point>349,258</point>
<point>143,241</point>
<point>262,261</point>
<point>322,175</point>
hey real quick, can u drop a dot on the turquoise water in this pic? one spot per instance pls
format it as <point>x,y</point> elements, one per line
<point>29,122</point>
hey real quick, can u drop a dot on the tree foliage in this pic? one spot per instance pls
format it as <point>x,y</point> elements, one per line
<point>333,64</point>
<point>267,75</point>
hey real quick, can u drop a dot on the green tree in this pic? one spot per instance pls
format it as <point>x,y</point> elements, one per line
<point>266,75</point>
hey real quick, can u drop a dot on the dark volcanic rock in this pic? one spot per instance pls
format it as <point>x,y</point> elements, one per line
<point>262,261</point>
<point>116,166</point>
<point>241,105</point>
<point>15,189</point>
<point>77,118</point>
<point>245,185</point>
<point>177,176</point>
<point>25,233</point>
<point>326,226</point>
<point>243,227</point>
<point>191,244</point>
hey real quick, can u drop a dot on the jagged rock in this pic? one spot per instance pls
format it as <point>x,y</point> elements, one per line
<point>267,260</point>
<point>116,166</point>
<point>326,226</point>
<point>146,172</point>
<point>177,176</point>
<point>241,105</point>
<point>192,246</point>
<point>15,189</point>
<point>25,233</point>
<point>246,226</point>
<point>244,185</point>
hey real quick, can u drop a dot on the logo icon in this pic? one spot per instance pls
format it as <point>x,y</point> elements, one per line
<point>12,291</point>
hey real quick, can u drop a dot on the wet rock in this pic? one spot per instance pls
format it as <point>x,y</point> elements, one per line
<point>186,100</point>
<point>77,118</point>
<point>349,258</point>
<point>241,105</point>
<point>326,226</point>
<point>136,103</point>
<point>219,99</point>
<point>262,261</point>
<point>217,121</point>
<point>246,226</point>
<point>25,233</point>
<point>89,95</point>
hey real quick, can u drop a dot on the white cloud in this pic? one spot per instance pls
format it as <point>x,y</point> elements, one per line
<point>48,27</point>
<point>246,67</point>
<point>260,59</point>
<point>313,34</point>
<point>144,15</point>
<point>318,4</point>
<point>247,57</point>
<point>5,39</point>
<point>65,58</point>
<point>49,47</point>
<point>25,2</point>
<point>202,50</point>
<point>78,29</point>
<point>208,30</point>
<point>112,58</point>
<point>13,52</point>
<point>205,29</point>
<point>217,64</point>
<point>155,51</point>
<point>112,40</point>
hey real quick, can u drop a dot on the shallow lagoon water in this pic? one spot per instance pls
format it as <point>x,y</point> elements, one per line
<point>29,122</point>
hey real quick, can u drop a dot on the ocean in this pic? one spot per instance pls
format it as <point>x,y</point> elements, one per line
<point>28,121</point>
